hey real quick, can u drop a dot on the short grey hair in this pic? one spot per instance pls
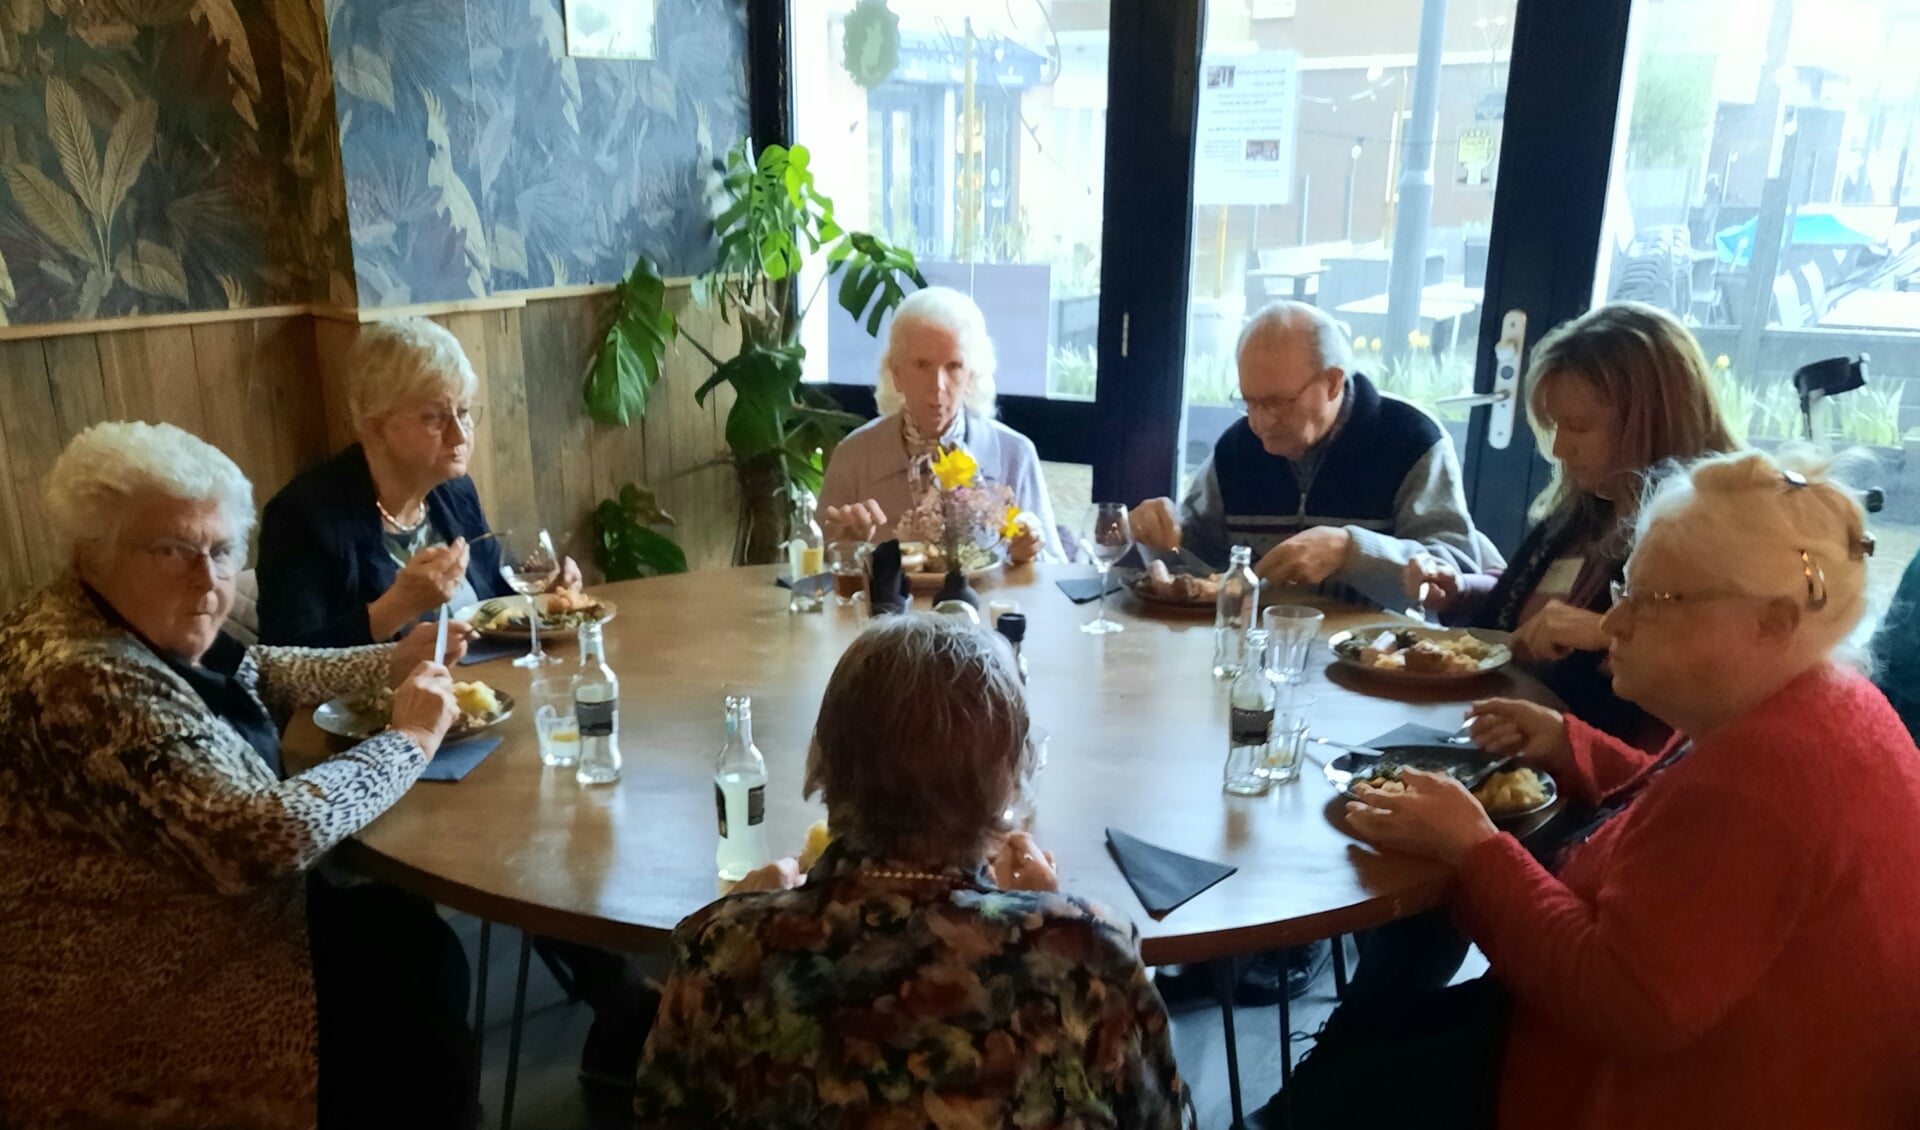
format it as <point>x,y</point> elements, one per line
<point>921,740</point>
<point>1330,343</point>
<point>1738,516</point>
<point>954,312</point>
<point>402,360</point>
<point>95,480</point>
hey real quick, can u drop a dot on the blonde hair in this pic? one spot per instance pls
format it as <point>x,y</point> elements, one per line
<point>944,308</point>
<point>1748,517</point>
<point>1649,369</point>
<point>96,479</point>
<point>402,360</point>
<point>921,739</point>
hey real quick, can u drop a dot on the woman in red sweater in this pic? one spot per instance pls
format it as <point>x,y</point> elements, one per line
<point>1734,941</point>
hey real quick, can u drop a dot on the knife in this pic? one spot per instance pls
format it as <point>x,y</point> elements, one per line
<point>440,638</point>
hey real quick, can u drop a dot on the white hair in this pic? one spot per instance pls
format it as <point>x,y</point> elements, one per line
<point>401,360</point>
<point>1330,343</point>
<point>1742,516</point>
<point>95,480</point>
<point>952,311</point>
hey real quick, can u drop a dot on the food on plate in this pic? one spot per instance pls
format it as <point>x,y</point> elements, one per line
<point>479,705</point>
<point>558,610</point>
<point>476,700</point>
<point>1184,587</point>
<point>1516,790</point>
<point>1429,655</point>
<point>927,557</point>
<point>818,840</point>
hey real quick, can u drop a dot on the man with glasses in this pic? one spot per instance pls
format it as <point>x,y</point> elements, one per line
<point>1334,486</point>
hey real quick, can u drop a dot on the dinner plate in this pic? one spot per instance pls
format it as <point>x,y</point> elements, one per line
<point>347,717</point>
<point>931,582</point>
<point>1347,645</point>
<point>1137,584</point>
<point>519,604</point>
<point>1341,771</point>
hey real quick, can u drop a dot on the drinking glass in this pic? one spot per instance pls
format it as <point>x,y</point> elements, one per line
<point>1291,630</point>
<point>554,722</point>
<point>1107,540</point>
<point>847,561</point>
<point>529,564</point>
<point>1292,714</point>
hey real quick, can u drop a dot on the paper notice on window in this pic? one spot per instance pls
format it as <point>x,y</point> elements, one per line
<point>1249,117</point>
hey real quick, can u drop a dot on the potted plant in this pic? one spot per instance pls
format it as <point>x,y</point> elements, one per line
<point>779,430</point>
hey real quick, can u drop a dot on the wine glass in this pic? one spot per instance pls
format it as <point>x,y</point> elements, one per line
<point>1107,540</point>
<point>529,564</point>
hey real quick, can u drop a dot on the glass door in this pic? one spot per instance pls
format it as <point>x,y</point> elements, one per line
<point>1766,189</point>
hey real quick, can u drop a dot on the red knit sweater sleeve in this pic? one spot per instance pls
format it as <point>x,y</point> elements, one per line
<point>1601,762</point>
<point>1701,887</point>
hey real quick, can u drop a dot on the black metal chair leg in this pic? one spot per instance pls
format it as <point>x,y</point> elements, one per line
<point>1223,985</point>
<point>480,998</point>
<point>559,974</point>
<point>513,1035</point>
<point>1340,966</point>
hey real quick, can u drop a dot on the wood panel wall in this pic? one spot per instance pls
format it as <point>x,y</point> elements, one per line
<point>269,392</point>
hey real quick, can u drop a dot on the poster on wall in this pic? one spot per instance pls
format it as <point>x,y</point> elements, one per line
<point>610,29</point>
<point>1244,138</point>
<point>1475,154</point>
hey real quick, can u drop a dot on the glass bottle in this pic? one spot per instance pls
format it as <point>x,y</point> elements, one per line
<point>740,796</point>
<point>1234,614</point>
<point>596,710</point>
<point>806,557</point>
<point>1013,625</point>
<point>1249,723</point>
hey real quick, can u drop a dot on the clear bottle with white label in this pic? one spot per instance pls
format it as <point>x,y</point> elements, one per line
<point>1234,614</point>
<point>740,796</point>
<point>1249,723</point>
<point>596,711</point>
<point>806,557</point>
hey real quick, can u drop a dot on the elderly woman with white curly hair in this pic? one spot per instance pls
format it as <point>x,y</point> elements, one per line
<point>935,390</point>
<point>157,966</point>
<point>385,532</point>
<point>1727,938</point>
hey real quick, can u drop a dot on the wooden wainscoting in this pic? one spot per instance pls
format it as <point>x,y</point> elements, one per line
<point>269,392</point>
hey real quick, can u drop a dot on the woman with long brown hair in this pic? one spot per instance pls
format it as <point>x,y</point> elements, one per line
<point>1616,394</point>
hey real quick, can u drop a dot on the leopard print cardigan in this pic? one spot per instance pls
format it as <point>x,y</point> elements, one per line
<point>153,951</point>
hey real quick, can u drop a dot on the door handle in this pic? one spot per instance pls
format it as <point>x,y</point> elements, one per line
<point>1504,400</point>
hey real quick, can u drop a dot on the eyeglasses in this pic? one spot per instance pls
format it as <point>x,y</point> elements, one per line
<point>438,420</point>
<point>1809,568</point>
<point>178,559</point>
<point>1270,405</point>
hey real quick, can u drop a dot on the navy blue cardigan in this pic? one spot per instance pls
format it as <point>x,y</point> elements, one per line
<point>324,557</point>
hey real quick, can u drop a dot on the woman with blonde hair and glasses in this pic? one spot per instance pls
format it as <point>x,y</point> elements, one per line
<point>1616,393</point>
<point>1729,940</point>
<point>362,545</point>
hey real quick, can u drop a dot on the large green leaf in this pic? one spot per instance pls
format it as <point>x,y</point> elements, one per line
<point>763,381</point>
<point>633,352</point>
<point>626,545</point>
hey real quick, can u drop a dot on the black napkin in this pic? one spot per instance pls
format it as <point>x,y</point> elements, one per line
<point>457,759</point>
<point>480,651</point>
<point>820,584</point>
<point>888,589</point>
<point>1162,879</point>
<point>1411,734</point>
<point>1080,590</point>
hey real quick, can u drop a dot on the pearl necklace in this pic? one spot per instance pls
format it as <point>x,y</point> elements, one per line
<point>399,527</point>
<point>914,876</point>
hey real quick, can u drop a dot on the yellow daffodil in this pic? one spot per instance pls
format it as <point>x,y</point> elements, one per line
<point>1012,527</point>
<point>1376,345</point>
<point>955,469</point>
<point>1723,362</point>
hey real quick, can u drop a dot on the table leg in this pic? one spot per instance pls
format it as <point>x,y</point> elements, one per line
<point>480,997</point>
<point>1285,1102</point>
<point>1224,978</point>
<point>513,1035</point>
<point>1340,966</point>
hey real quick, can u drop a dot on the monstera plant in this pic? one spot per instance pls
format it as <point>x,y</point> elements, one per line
<point>779,430</point>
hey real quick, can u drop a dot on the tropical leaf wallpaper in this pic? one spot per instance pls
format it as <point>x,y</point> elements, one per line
<point>166,155</point>
<point>479,157</point>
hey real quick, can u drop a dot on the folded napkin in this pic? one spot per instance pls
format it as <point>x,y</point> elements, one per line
<point>1080,590</point>
<point>888,589</point>
<point>480,651</point>
<point>1162,879</point>
<point>456,759</point>
<point>1410,734</point>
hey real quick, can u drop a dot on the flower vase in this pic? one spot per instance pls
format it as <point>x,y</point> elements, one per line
<point>956,588</point>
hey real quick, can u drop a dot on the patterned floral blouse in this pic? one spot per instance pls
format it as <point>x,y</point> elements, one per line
<point>863,1001</point>
<point>153,951</point>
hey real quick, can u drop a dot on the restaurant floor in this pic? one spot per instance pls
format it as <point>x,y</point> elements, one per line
<point>550,1097</point>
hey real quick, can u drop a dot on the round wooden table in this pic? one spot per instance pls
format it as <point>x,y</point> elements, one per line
<point>1138,737</point>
